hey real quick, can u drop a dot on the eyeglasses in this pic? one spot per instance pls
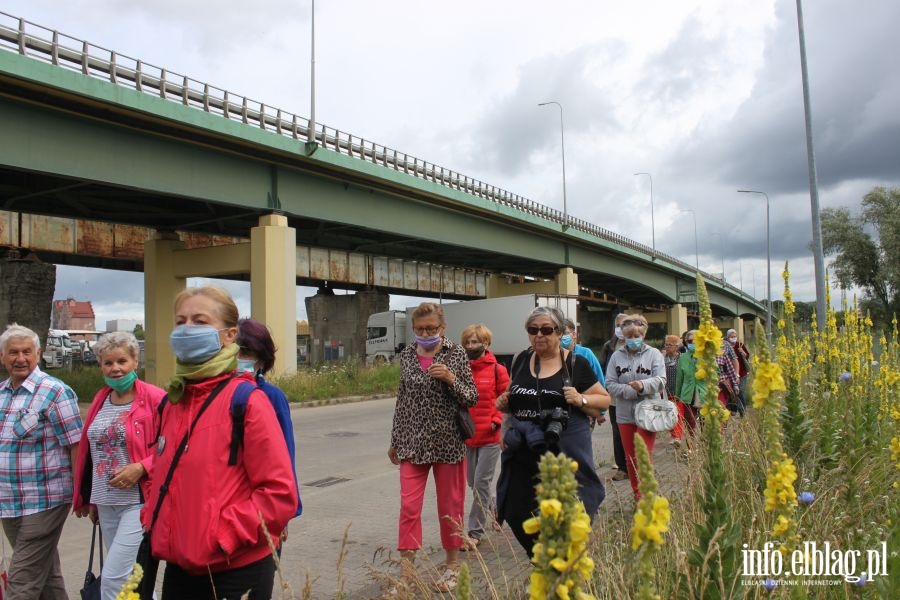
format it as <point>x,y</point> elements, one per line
<point>632,322</point>
<point>427,330</point>
<point>544,330</point>
<point>671,345</point>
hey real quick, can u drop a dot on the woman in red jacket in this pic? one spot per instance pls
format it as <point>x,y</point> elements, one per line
<point>114,456</point>
<point>483,449</point>
<point>208,528</point>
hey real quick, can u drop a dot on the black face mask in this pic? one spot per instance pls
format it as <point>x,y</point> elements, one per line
<point>475,353</point>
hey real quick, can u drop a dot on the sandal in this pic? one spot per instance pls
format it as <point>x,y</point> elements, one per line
<point>470,543</point>
<point>447,581</point>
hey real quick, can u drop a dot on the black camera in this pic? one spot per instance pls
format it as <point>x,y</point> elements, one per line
<point>554,421</point>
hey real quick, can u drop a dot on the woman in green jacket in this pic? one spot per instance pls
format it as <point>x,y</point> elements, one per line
<point>689,391</point>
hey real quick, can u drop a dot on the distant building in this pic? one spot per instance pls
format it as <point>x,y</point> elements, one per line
<point>72,314</point>
<point>123,325</point>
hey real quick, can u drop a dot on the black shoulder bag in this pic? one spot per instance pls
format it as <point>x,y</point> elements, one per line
<point>145,558</point>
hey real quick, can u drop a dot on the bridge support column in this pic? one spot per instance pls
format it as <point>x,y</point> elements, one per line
<point>273,286</point>
<point>161,285</point>
<point>676,319</point>
<point>564,284</point>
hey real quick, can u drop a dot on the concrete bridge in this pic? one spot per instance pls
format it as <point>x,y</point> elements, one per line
<point>98,137</point>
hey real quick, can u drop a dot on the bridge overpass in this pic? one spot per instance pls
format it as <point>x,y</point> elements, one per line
<point>95,136</point>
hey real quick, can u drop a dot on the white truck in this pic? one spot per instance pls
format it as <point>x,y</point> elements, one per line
<point>388,332</point>
<point>57,351</point>
<point>385,336</point>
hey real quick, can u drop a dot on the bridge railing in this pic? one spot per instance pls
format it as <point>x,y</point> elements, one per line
<point>41,43</point>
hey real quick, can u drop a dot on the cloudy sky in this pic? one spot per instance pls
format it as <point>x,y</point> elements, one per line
<point>703,94</point>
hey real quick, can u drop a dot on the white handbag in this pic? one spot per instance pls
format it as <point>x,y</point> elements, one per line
<point>655,414</point>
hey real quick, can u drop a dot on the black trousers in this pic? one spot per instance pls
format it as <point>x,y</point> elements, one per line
<point>256,578</point>
<point>618,448</point>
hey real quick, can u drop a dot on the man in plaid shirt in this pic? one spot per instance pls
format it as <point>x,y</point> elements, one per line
<point>39,435</point>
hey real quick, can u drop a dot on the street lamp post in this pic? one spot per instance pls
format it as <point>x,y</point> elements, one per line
<point>721,253</point>
<point>818,253</point>
<point>652,218</point>
<point>696,245</point>
<point>311,127</point>
<point>562,139</point>
<point>768,263</point>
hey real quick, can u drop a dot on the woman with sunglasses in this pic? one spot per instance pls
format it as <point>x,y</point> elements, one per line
<point>435,380</point>
<point>549,400</point>
<point>634,373</point>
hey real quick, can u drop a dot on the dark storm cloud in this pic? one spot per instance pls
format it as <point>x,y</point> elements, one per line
<point>854,90</point>
<point>515,128</point>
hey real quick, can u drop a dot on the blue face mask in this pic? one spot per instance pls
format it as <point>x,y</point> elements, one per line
<point>246,365</point>
<point>428,342</point>
<point>121,384</point>
<point>195,344</point>
<point>690,347</point>
<point>634,343</point>
<point>566,341</point>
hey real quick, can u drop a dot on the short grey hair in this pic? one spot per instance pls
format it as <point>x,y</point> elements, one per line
<point>15,331</point>
<point>620,317</point>
<point>117,339</point>
<point>635,323</point>
<point>556,315</point>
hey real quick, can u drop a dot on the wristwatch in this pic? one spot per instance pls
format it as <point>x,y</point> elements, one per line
<point>583,401</point>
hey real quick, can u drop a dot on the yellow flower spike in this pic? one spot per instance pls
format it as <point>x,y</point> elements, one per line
<point>551,508</point>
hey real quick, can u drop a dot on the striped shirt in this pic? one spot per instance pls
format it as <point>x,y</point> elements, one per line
<point>40,422</point>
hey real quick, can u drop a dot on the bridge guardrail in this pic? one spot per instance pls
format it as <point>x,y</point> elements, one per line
<point>35,41</point>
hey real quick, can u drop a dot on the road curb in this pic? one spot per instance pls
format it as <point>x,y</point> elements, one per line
<point>342,400</point>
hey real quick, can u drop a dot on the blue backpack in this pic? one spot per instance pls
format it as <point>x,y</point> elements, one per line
<point>238,411</point>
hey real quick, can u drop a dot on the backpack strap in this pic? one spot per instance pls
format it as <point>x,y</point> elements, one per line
<point>238,411</point>
<point>159,411</point>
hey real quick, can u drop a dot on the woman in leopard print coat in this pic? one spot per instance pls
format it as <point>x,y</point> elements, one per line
<point>435,380</point>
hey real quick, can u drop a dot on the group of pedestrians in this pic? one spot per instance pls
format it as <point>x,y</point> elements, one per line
<point>200,472</point>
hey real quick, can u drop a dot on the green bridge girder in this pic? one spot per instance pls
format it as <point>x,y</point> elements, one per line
<point>82,147</point>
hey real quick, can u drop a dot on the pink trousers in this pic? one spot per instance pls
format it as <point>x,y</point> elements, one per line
<point>450,487</point>
<point>627,431</point>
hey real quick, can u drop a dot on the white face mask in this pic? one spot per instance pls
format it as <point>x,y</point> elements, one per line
<point>619,333</point>
<point>732,340</point>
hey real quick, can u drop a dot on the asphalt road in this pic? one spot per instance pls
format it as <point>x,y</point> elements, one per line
<point>347,485</point>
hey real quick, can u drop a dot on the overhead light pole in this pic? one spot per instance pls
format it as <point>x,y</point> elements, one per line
<point>818,252</point>
<point>562,139</point>
<point>652,218</point>
<point>696,245</point>
<point>311,126</point>
<point>721,254</point>
<point>768,264</point>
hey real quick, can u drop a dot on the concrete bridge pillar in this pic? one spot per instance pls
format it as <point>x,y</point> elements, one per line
<point>273,287</point>
<point>676,319</point>
<point>26,294</point>
<point>337,324</point>
<point>564,284</point>
<point>161,285</point>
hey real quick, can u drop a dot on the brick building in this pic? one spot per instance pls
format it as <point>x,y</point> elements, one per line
<point>72,314</point>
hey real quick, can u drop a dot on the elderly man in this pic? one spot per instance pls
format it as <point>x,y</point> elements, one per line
<point>38,440</point>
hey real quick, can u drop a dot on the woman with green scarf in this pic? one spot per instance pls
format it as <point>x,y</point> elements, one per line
<point>212,522</point>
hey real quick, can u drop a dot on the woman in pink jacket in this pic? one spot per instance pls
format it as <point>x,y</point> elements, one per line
<point>214,523</point>
<point>483,449</point>
<point>114,457</point>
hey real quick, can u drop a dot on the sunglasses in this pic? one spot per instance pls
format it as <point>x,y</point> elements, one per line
<point>545,330</point>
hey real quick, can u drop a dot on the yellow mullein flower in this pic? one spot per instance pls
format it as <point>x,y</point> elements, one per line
<point>551,508</point>
<point>538,584</point>
<point>532,525</point>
